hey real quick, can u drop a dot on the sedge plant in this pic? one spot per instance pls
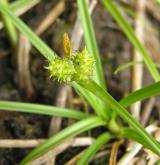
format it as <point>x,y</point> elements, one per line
<point>83,71</point>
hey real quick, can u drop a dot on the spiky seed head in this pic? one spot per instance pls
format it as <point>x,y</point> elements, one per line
<point>61,69</point>
<point>77,67</point>
<point>83,64</point>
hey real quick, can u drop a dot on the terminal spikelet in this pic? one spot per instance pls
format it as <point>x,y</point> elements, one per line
<point>78,67</point>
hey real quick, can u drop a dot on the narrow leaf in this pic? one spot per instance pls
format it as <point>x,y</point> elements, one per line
<point>141,94</point>
<point>41,109</point>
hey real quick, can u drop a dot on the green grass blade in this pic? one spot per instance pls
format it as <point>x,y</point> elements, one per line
<point>91,151</point>
<point>126,9</point>
<point>36,41</point>
<point>141,94</point>
<point>91,44</point>
<point>41,109</point>
<point>92,101</point>
<point>131,63</point>
<point>90,40</point>
<point>130,133</point>
<point>122,112</point>
<point>65,134</point>
<point>112,8</point>
<point>19,4</point>
<point>126,65</point>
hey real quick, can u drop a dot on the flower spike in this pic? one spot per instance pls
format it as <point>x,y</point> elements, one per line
<point>70,69</point>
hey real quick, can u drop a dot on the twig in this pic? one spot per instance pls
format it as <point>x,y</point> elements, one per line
<point>137,70</point>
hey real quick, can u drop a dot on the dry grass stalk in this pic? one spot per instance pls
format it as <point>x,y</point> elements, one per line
<point>51,17</point>
<point>14,143</point>
<point>51,155</point>
<point>23,67</point>
<point>137,70</point>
